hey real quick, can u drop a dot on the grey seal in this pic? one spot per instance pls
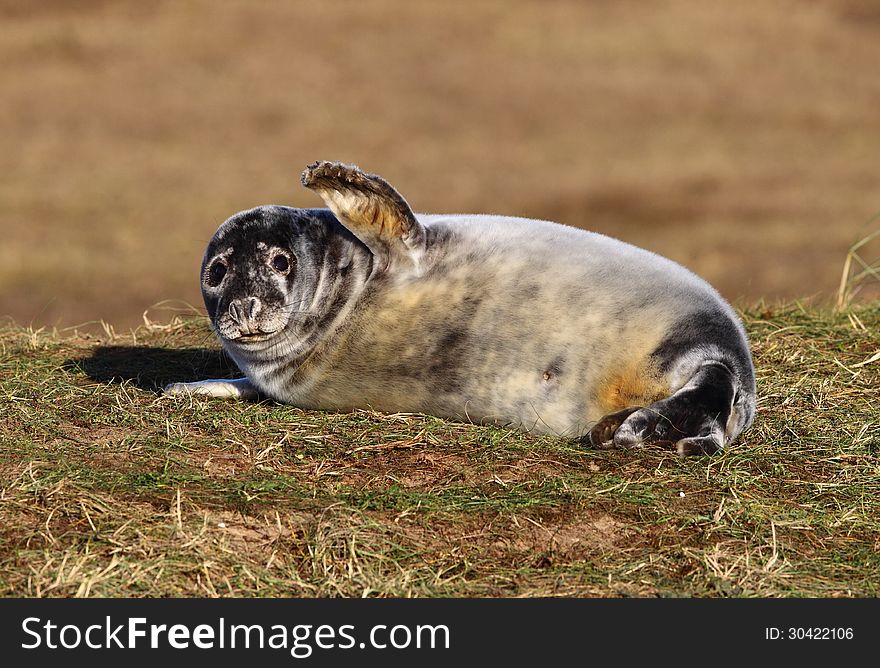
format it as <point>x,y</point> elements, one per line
<point>487,319</point>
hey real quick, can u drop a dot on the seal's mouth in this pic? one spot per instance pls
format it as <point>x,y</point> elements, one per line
<point>257,336</point>
<point>245,330</point>
<point>248,337</point>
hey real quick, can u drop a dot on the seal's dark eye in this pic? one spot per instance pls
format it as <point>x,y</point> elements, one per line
<point>216,273</point>
<point>281,264</point>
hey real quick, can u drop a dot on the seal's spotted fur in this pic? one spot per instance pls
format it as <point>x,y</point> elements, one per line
<point>480,318</point>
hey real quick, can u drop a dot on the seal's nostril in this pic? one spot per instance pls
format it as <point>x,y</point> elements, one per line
<point>235,311</point>
<point>253,307</point>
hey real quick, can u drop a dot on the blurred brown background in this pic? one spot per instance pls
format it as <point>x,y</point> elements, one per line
<point>741,139</point>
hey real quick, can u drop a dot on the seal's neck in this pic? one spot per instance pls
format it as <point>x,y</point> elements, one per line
<point>343,272</point>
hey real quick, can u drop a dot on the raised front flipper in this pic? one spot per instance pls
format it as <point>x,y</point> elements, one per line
<point>372,210</point>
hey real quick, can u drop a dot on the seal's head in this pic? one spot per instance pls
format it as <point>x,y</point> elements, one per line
<point>250,272</point>
<point>274,272</point>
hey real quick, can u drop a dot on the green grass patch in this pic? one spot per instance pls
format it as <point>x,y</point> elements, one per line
<point>108,488</point>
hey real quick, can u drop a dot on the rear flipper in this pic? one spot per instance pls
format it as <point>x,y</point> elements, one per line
<point>700,418</point>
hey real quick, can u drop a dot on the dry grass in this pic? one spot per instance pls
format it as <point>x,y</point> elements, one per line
<point>861,269</point>
<point>738,138</point>
<point>109,489</point>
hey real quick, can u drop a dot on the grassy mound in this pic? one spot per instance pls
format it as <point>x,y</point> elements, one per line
<point>109,489</point>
